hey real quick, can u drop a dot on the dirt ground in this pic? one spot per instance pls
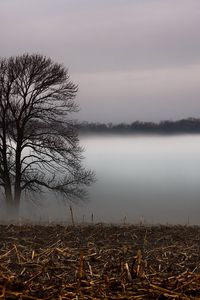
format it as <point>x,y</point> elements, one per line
<point>99,262</point>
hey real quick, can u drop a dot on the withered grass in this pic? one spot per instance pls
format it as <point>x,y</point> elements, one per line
<point>99,262</point>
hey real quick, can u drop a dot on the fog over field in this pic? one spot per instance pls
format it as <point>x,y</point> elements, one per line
<point>152,179</point>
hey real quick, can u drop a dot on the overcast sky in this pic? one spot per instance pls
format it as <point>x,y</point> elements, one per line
<point>132,59</point>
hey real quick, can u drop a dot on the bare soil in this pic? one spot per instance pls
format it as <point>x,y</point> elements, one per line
<point>99,262</point>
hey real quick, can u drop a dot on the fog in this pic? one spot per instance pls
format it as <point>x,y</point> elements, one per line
<point>140,178</point>
<point>153,179</point>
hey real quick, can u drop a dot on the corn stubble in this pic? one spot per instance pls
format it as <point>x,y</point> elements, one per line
<point>99,262</point>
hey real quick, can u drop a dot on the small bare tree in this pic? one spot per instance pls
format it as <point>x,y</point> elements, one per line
<point>39,146</point>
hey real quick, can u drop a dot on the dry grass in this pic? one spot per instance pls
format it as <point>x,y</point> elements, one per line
<point>99,262</point>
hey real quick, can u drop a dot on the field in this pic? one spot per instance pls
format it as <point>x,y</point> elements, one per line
<point>99,262</point>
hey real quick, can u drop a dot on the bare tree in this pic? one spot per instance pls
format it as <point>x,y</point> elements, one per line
<point>39,146</point>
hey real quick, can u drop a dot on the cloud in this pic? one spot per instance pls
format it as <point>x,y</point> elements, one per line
<point>169,93</point>
<point>104,35</point>
<point>143,55</point>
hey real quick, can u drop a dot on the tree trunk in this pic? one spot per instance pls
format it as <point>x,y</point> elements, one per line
<point>12,205</point>
<point>16,200</point>
<point>12,209</point>
<point>17,188</point>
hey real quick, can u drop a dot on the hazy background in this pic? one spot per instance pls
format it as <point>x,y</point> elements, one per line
<point>141,178</point>
<point>132,59</point>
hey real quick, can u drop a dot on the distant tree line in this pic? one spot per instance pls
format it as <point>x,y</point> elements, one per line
<point>190,125</point>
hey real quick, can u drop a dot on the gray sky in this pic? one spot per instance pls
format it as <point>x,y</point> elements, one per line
<point>132,59</point>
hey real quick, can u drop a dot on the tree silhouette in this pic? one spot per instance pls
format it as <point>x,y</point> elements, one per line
<point>39,146</point>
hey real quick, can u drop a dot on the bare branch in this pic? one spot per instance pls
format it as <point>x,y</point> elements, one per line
<point>39,147</point>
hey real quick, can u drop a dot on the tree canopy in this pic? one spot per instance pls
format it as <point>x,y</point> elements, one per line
<point>39,145</point>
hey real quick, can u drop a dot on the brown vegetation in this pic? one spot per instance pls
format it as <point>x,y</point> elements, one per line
<point>99,262</point>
